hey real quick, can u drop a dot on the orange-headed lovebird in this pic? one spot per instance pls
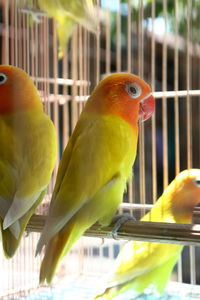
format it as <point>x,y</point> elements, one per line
<point>27,153</point>
<point>96,164</point>
<point>143,264</point>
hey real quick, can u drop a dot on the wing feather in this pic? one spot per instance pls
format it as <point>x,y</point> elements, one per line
<point>26,164</point>
<point>90,161</point>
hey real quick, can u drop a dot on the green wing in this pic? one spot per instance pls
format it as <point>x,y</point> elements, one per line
<point>27,158</point>
<point>96,153</point>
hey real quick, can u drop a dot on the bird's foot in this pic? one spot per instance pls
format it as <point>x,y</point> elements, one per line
<point>118,221</point>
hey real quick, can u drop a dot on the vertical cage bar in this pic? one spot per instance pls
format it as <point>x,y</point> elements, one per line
<point>41,50</point>
<point>20,37</point>
<point>80,68</point>
<point>107,66</point>
<point>98,58</point>
<point>118,37</point>
<point>164,99</point>
<point>47,64</point>
<point>129,32</point>
<point>188,84</point>
<point>141,124</point>
<point>65,107</point>
<point>45,73</point>
<point>12,33</point>
<point>153,120</point>
<point>27,44</point>
<point>176,111</point>
<point>86,89</point>
<point>55,89</point>
<point>88,68</point>
<point>5,31</point>
<point>189,124</point>
<point>192,265</point>
<point>24,29</point>
<point>140,39</point>
<point>32,67</point>
<point>108,39</point>
<point>176,87</point>
<point>16,33</point>
<point>36,53</point>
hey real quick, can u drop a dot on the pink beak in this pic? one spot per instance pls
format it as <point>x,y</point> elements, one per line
<point>147,107</point>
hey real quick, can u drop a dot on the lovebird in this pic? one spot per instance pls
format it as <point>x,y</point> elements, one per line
<point>68,15</point>
<point>95,165</point>
<point>143,264</point>
<point>27,154</point>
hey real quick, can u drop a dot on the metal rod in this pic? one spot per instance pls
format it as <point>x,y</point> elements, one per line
<point>62,81</point>
<point>171,94</point>
<point>184,234</point>
<point>62,99</point>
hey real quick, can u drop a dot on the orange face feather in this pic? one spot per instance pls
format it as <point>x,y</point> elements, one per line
<point>122,94</point>
<point>17,91</point>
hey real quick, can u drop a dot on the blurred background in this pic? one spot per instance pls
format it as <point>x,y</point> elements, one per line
<point>158,40</point>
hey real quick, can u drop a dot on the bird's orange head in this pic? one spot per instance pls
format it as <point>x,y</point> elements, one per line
<point>17,91</point>
<point>122,94</point>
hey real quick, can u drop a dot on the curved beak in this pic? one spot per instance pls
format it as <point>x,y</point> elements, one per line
<point>147,107</point>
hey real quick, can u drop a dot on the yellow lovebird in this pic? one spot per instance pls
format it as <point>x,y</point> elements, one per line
<point>27,154</point>
<point>143,264</point>
<point>96,164</point>
<point>68,15</point>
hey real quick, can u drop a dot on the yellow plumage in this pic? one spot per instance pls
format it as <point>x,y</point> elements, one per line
<point>101,176</point>
<point>68,14</point>
<point>95,166</point>
<point>141,264</point>
<point>26,134</point>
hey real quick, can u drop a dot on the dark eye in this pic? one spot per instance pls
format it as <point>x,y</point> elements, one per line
<point>3,78</point>
<point>133,89</point>
<point>197,181</point>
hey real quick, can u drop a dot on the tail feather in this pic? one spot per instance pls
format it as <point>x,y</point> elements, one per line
<point>9,241</point>
<point>58,246</point>
<point>19,207</point>
<point>15,229</point>
<point>53,253</point>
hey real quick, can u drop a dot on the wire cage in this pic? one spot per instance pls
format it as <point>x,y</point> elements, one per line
<point>159,41</point>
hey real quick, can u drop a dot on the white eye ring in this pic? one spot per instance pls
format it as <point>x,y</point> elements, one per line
<point>133,89</point>
<point>3,78</point>
<point>197,181</point>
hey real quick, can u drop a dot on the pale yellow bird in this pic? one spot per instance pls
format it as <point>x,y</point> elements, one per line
<point>141,264</point>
